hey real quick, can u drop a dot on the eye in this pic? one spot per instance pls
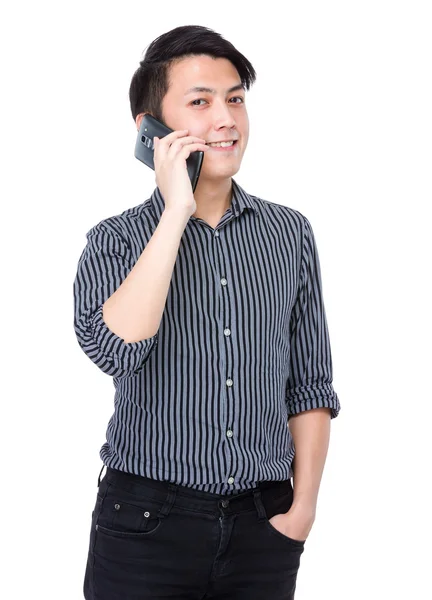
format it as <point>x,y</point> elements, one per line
<point>234,98</point>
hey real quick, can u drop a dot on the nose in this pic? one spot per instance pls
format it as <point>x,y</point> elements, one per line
<point>223,117</point>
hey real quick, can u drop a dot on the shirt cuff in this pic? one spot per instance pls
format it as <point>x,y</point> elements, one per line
<point>308,397</point>
<point>130,356</point>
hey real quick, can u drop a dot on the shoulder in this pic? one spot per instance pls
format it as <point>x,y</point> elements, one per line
<point>125,225</point>
<point>288,216</point>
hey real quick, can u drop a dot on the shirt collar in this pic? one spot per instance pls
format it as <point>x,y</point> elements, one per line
<point>240,201</point>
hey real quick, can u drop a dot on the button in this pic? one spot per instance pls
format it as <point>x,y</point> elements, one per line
<point>147,514</point>
<point>229,382</point>
<point>231,480</point>
<point>227,331</point>
<point>117,506</point>
<point>229,433</point>
<point>224,281</point>
<point>216,233</point>
<point>225,503</point>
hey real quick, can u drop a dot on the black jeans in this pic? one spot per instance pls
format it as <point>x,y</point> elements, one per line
<point>152,540</point>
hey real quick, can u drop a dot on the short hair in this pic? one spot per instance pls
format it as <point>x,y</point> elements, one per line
<point>150,81</point>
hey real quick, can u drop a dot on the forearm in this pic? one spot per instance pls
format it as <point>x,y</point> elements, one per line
<point>310,430</point>
<point>135,310</point>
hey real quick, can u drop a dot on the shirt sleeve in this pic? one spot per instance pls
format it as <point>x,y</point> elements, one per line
<point>104,264</point>
<point>310,377</point>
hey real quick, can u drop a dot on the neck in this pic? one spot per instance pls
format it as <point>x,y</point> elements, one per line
<point>212,200</point>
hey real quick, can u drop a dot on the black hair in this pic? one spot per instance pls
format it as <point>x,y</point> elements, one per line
<point>150,81</point>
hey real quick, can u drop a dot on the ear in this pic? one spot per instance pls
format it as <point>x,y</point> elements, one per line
<point>138,120</point>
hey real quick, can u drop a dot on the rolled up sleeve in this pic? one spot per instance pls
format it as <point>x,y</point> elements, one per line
<point>104,264</point>
<point>310,377</point>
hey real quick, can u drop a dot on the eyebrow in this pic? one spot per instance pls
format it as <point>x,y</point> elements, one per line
<point>239,86</point>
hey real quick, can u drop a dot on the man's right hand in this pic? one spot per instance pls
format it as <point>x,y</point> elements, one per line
<point>172,178</point>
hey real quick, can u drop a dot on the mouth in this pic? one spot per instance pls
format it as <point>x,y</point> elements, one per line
<point>222,145</point>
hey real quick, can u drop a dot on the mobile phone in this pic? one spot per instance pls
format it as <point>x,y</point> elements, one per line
<point>144,147</point>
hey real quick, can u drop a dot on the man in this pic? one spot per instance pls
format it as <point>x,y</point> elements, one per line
<point>206,308</point>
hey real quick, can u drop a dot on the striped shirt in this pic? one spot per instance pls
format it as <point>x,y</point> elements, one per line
<point>242,345</point>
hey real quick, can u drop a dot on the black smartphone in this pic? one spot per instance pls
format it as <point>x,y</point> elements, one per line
<point>144,147</point>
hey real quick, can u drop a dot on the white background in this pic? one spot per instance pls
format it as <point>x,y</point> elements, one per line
<point>341,130</point>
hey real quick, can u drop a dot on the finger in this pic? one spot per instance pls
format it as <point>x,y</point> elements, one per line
<point>168,139</point>
<point>189,148</point>
<point>178,144</point>
<point>165,144</point>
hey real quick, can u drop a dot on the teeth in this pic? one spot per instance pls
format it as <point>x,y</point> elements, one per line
<point>222,144</point>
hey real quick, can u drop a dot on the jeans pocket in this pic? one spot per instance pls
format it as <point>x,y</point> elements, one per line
<point>124,515</point>
<point>276,506</point>
<point>292,541</point>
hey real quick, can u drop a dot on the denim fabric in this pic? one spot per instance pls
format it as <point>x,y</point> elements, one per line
<point>153,539</point>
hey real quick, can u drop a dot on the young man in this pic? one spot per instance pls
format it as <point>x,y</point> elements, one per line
<point>207,310</point>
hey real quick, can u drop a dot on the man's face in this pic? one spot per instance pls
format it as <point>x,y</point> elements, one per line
<point>215,117</point>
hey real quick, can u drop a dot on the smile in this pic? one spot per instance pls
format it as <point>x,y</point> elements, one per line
<point>223,145</point>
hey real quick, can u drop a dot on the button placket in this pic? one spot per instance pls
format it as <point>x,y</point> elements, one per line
<point>229,382</point>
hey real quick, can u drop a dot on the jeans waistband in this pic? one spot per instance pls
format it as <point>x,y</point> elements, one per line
<point>197,499</point>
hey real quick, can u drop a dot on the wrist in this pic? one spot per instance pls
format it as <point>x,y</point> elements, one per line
<point>304,504</point>
<point>177,213</point>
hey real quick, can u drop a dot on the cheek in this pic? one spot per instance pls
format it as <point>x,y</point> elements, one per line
<point>195,131</point>
<point>244,144</point>
<point>197,128</point>
<point>245,134</point>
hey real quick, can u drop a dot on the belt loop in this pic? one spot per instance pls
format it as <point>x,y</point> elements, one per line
<point>169,501</point>
<point>99,478</point>
<point>262,515</point>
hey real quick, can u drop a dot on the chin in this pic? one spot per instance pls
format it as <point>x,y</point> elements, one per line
<point>218,174</point>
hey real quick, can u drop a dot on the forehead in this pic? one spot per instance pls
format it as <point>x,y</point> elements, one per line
<point>202,71</point>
